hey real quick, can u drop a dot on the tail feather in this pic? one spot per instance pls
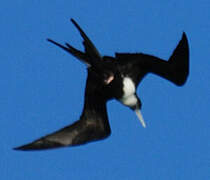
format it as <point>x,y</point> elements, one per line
<point>90,49</point>
<point>76,53</point>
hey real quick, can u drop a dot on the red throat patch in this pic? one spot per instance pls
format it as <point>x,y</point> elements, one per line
<point>109,80</point>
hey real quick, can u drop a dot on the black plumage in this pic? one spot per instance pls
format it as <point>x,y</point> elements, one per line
<point>93,124</point>
<point>112,77</point>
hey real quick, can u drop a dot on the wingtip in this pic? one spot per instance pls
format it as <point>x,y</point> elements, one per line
<point>22,148</point>
<point>16,148</point>
<point>40,144</point>
<point>184,36</point>
<point>180,59</point>
<point>27,147</point>
<point>184,43</point>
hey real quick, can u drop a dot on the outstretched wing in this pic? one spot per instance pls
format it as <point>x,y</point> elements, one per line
<point>176,69</point>
<point>93,124</point>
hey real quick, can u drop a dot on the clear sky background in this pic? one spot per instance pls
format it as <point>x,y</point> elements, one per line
<point>42,90</point>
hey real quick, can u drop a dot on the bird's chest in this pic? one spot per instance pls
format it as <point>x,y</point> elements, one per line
<point>128,88</point>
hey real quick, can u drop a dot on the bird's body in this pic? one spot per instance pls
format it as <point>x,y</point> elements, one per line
<point>112,77</point>
<point>129,92</point>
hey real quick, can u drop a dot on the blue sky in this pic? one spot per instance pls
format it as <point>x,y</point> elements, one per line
<point>42,90</point>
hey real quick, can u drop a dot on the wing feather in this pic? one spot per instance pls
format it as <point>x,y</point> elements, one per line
<point>93,124</point>
<point>176,69</point>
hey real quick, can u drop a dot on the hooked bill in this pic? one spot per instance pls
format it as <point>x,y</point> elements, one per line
<point>139,115</point>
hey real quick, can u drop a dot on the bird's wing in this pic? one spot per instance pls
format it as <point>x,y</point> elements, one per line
<point>93,124</point>
<point>176,69</point>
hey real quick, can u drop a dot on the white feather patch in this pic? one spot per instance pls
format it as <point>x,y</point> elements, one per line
<point>128,87</point>
<point>128,99</point>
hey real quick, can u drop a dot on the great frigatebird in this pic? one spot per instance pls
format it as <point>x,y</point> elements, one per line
<point>112,77</point>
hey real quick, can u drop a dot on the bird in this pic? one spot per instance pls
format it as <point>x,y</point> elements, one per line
<point>111,78</point>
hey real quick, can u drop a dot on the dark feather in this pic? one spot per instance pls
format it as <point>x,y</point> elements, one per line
<point>93,124</point>
<point>176,69</point>
<point>90,49</point>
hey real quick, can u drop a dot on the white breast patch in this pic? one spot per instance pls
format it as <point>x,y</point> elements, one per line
<point>128,99</point>
<point>128,87</point>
